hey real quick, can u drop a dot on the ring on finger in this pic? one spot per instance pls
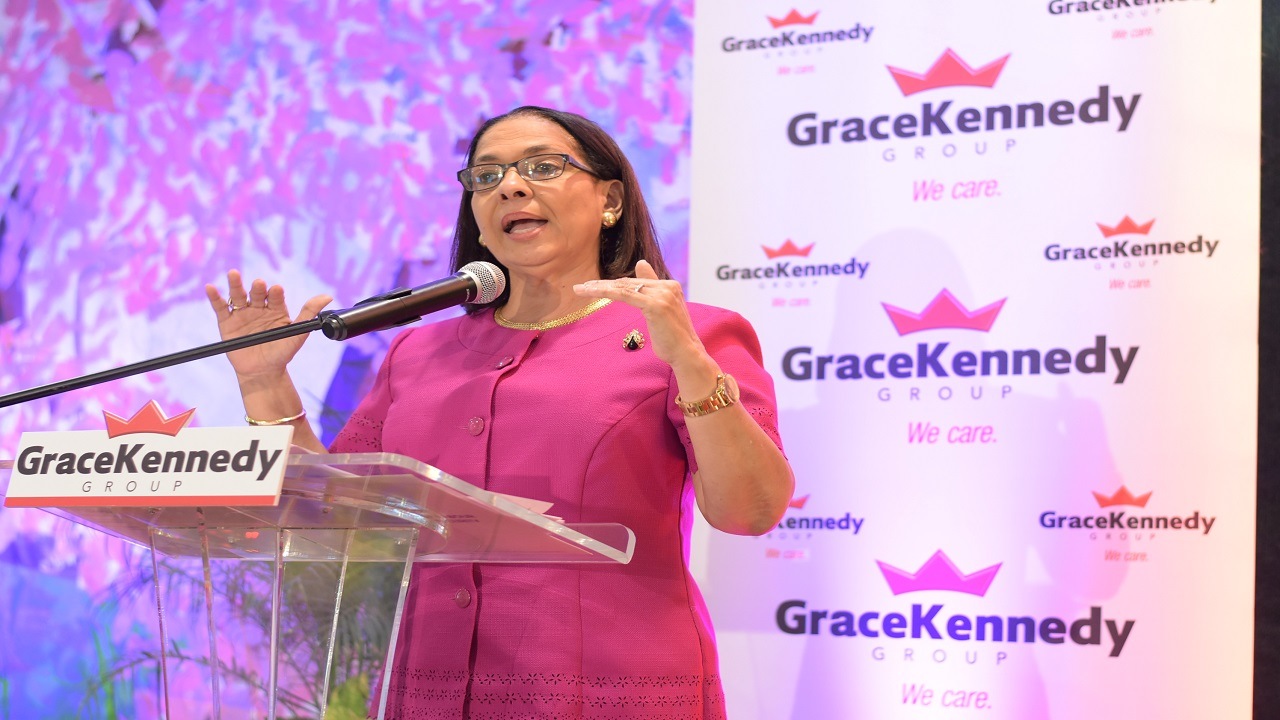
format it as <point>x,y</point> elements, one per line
<point>232,306</point>
<point>638,287</point>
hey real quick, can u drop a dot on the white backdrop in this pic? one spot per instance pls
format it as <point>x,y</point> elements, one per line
<point>1003,261</point>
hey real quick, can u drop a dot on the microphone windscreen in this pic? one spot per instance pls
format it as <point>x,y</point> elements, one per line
<point>489,280</point>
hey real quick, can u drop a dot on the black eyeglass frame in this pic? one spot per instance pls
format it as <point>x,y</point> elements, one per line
<point>523,167</point>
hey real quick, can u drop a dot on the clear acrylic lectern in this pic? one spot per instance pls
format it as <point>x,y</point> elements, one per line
<point>294,610</point>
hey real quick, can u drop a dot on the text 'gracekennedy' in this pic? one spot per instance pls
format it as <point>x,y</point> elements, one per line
<point>800,363</point>
<point>130,459</point>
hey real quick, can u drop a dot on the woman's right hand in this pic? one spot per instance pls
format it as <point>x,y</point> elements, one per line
<point>260,308</point>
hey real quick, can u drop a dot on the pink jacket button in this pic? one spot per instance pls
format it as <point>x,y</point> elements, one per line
<point>462,598</point>
<point>475,425</point>
<point>504,362</point>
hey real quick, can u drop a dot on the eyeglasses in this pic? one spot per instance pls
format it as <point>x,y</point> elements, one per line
<point>535,167</point>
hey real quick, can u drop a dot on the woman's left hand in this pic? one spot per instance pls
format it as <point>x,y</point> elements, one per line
<point>671,333</point>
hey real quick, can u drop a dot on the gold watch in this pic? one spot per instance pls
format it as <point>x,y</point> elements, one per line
<point>725,394</point>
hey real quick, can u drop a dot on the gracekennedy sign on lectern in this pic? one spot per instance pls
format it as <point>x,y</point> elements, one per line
<point>152,461</point>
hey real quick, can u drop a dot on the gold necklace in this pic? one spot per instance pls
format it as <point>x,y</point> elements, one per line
<point>547,325</point>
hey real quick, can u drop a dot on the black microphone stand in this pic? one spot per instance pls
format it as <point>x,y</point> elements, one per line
<point>177,358</point>
<point>392,309</point>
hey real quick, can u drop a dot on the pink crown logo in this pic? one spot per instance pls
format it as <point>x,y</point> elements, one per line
<point>1121,497</point>
<point>1126,227</point>
<point>798,503</point>
<point>938,573</point>
<point>150,419</point>
<point>948,71</point>
<point>944,311</point>
<point>787,248</point>
<point>792,18</point>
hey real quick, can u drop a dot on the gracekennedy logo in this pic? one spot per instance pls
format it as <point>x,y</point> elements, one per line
<point>1126,520</point>
<point>159,462</point>
<point>1126,226</point>
<point>149,419</point>
<point>948,71</point>
<point>939,360</point>
<point>938,573</point>
<point>791,261</point>
<point>944,311</point>
<point>137,457</point>
<point>793,18</point>
<point>787,249</point>
<point>1130,239</point>
<point>921,621</point>
<point>941,119</point>
<point>796,30</point>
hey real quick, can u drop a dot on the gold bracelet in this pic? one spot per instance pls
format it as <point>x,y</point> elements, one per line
<point>281,421</point>
<point>725,394</point>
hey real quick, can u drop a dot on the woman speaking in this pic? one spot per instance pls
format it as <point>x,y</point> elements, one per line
<point>589,383</point>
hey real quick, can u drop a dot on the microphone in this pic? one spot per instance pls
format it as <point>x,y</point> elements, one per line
<point>476,282</point>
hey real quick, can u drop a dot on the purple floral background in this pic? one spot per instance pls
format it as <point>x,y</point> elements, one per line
<point>147,147</point>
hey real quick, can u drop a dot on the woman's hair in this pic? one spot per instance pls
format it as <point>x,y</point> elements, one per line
<point>632,239</point>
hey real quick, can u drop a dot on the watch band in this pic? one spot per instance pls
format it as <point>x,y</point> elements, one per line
<point>725,394</point>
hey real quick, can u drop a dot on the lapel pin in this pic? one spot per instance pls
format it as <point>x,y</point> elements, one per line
<point>633,341</point>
